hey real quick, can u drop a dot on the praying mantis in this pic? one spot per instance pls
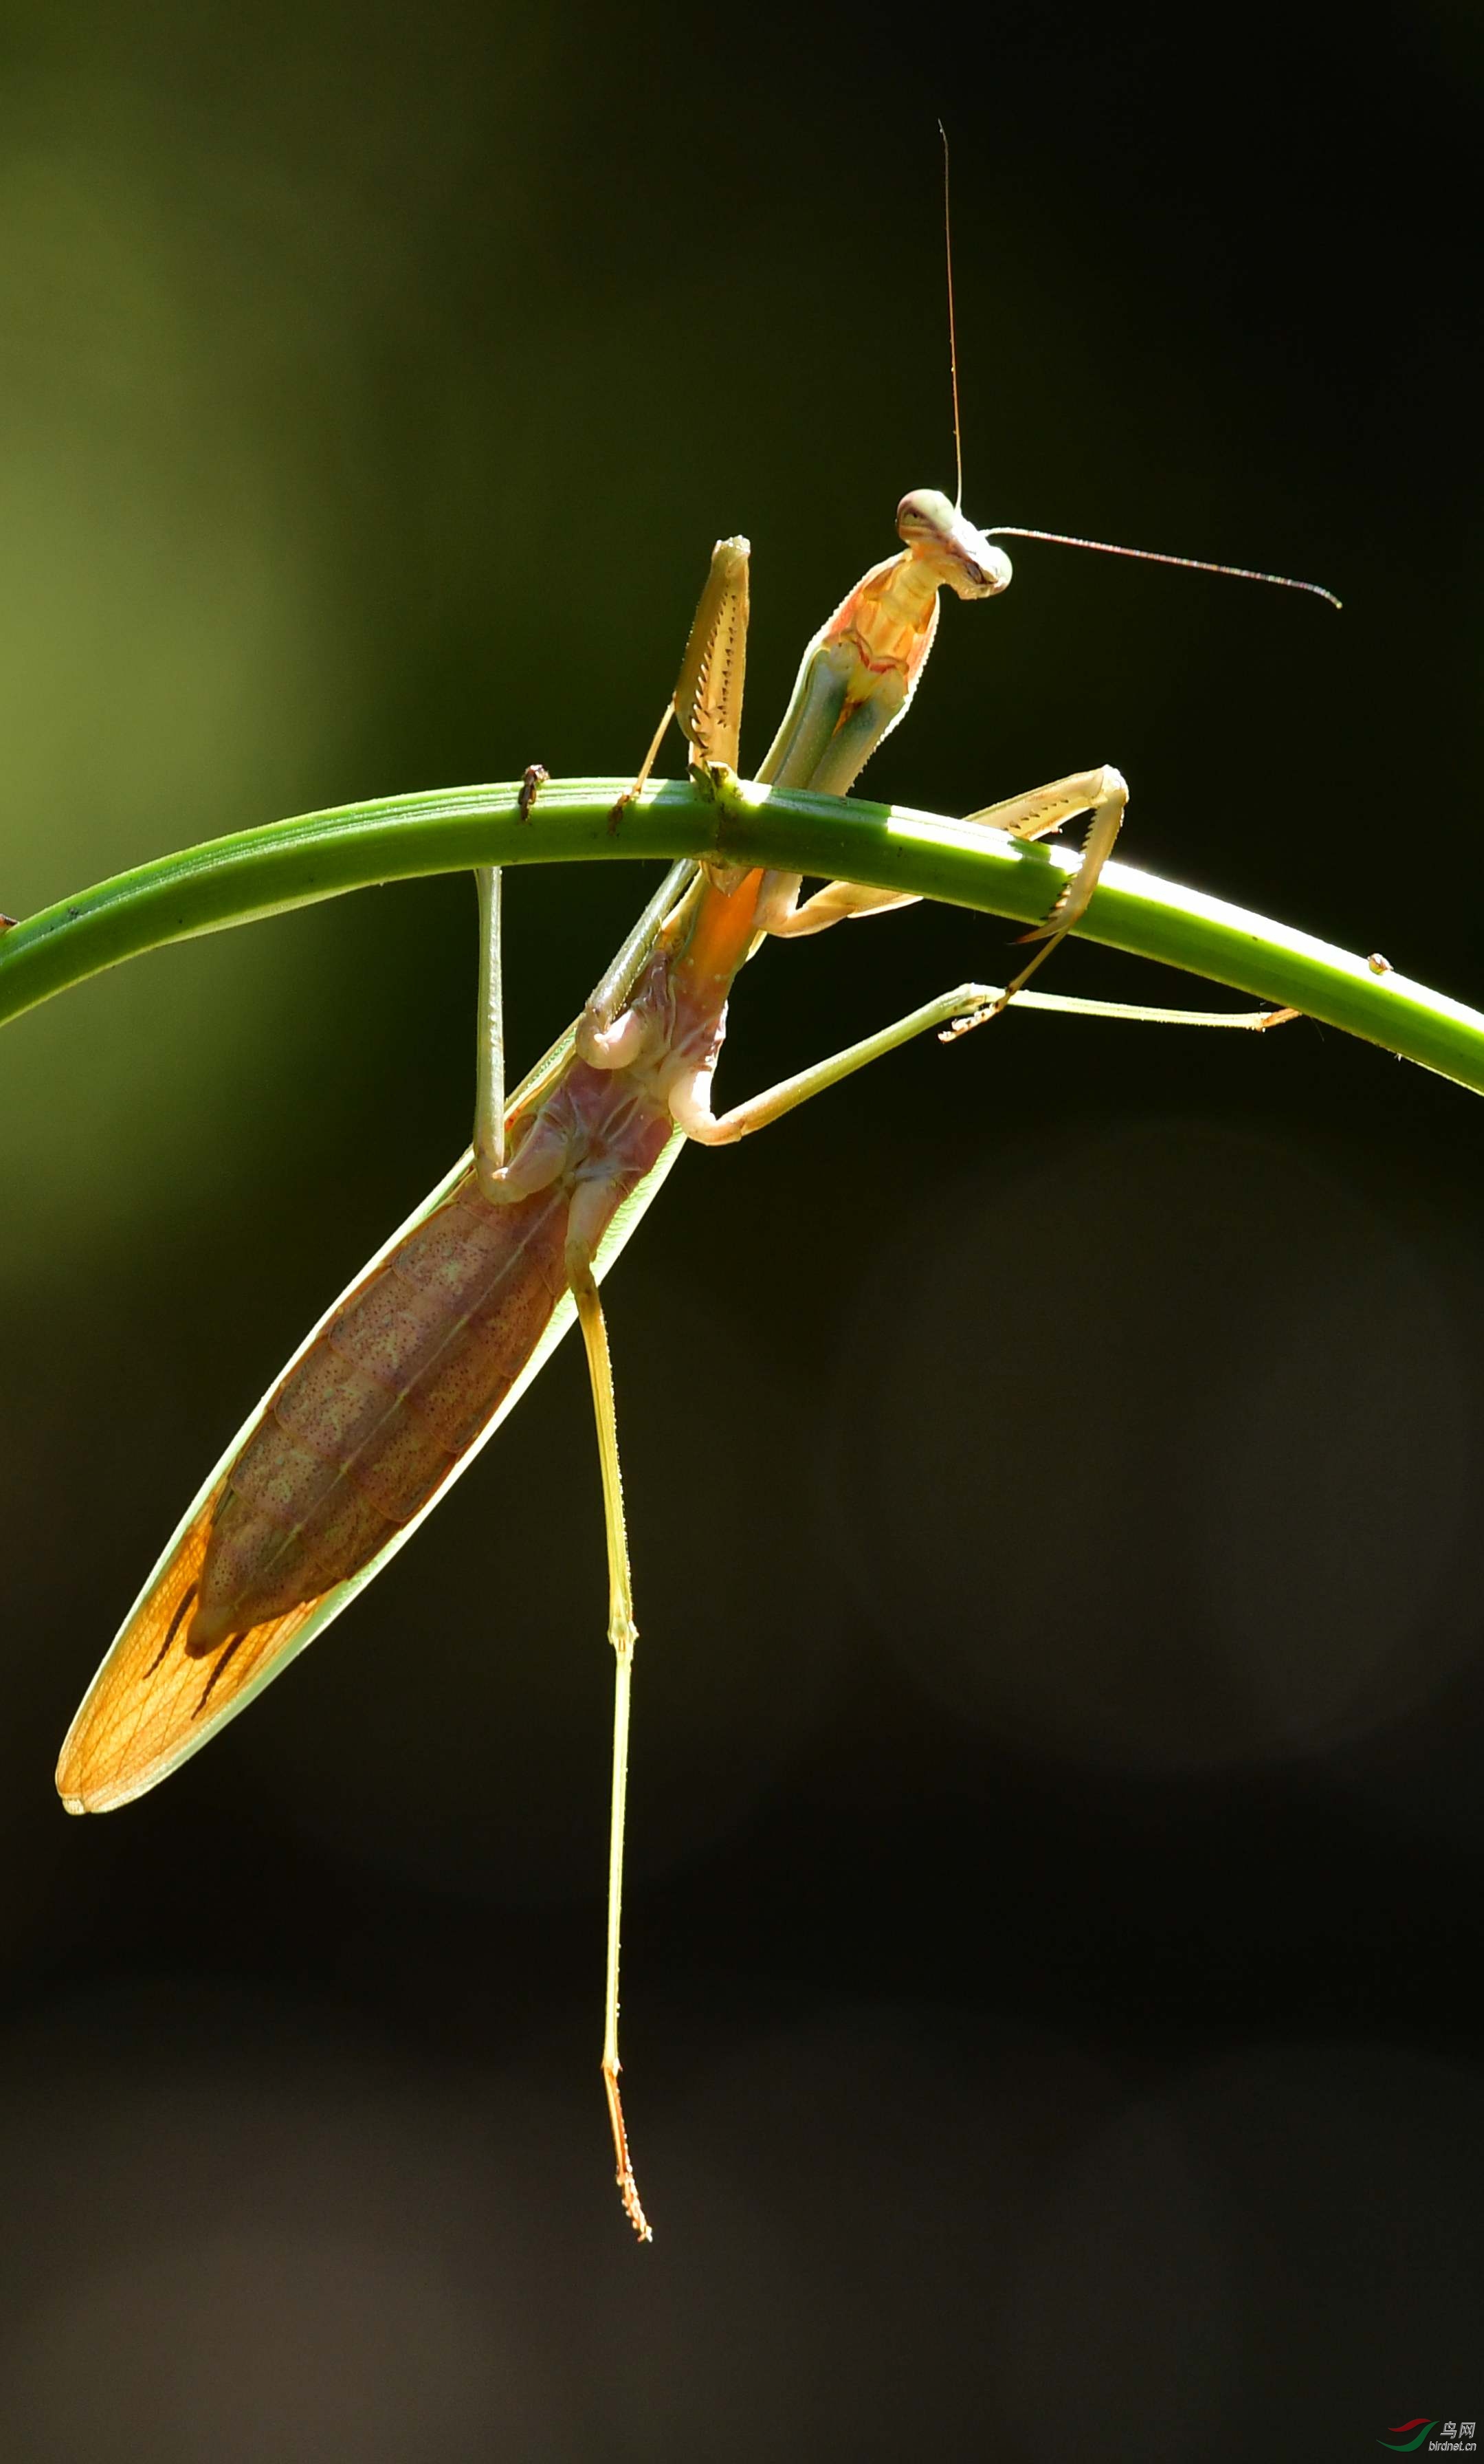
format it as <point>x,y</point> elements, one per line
<point>420,1360</point>
<point>413,1368</point>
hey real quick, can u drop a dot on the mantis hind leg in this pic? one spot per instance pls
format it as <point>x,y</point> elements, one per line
<point>622,1634</point>
<point>489,1139</point>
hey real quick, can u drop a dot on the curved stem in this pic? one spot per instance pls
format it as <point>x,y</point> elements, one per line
<point>291,864</point>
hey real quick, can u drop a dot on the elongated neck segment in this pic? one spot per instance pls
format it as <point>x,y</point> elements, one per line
<point>718,941</point>
<point>861,670</point>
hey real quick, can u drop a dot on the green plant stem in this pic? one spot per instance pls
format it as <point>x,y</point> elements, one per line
<point>292,863</point>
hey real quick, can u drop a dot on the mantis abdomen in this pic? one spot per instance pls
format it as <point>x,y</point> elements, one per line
<point>380,1409</point>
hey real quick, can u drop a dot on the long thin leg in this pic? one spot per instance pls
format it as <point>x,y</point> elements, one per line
<point>622,1634</point>
<point>690,1099</point>
<point>642,779</point>
<point>613,987</point>
<point>490,1043</point>
<point>545,1149</point>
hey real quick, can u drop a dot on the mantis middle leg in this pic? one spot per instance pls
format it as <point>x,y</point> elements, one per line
<point>691,1097</point>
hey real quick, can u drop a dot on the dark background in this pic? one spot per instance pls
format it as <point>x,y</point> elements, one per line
<point>1053,1952</point>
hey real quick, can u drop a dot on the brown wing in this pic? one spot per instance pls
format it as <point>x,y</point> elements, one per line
<point>151,1703</point>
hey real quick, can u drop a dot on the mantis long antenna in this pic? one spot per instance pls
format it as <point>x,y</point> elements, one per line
<point>948,252</point>
<point>1151,556</point>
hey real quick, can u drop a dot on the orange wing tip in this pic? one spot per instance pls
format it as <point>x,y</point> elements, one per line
<point>82,1792</point>
<point>143,1716</point>
<point>72,1785</point>
<point>77,1799</point>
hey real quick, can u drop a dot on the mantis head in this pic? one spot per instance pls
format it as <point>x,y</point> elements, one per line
<point>937,534</point>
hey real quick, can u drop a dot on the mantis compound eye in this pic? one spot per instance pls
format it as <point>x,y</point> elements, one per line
<point>925,514</point>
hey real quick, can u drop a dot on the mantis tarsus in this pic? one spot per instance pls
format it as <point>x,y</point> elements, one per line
<point>416,1365</point>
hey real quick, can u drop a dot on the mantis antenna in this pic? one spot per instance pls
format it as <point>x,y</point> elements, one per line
<point>1064,539</point>
<point>1151,556</point>
<point>948,253</point>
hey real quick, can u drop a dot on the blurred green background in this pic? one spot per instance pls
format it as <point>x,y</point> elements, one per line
<point>1053,1959</point>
